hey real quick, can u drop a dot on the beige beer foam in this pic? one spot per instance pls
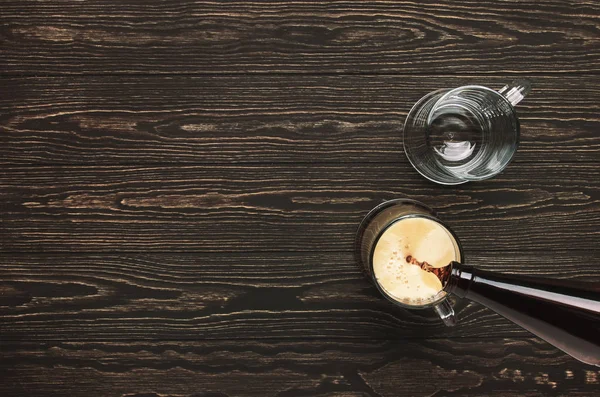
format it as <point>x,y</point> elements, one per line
<point>426,241</point>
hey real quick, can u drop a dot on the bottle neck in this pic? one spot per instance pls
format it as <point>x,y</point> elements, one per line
<point>460,280</point>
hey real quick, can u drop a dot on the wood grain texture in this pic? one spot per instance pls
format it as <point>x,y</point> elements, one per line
<point>181,181</point>
<point>167,36</point>
<point>69,297</point>
<point>258,119</point>
<point>308,207</point>
<point>470,367</point>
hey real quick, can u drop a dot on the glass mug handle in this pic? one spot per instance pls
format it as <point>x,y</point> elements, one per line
<point>446,312</point>
<point>516,91</point>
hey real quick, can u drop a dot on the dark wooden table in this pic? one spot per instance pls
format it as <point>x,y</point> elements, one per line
<point>181,182</point>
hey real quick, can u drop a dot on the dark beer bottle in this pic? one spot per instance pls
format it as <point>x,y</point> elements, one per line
<point>563,313</point>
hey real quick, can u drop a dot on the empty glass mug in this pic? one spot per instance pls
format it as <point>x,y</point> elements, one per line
<point>416,261</point>
<point>469,133</point>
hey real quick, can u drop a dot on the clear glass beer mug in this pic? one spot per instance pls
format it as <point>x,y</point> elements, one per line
<point>469,133</point>
<point>377,245</point>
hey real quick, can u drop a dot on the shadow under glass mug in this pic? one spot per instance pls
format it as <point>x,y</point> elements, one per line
<point>469,133</point>
<point>416,261</point>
